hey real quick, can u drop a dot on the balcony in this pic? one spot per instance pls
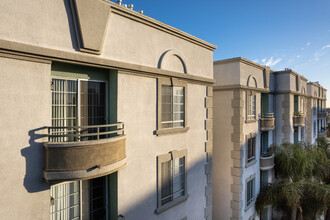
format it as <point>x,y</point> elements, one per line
<point>298,119</point>
<point>267,121</point>
<point>267,161</point>
<point>84,152</point>
<point>321,115</point>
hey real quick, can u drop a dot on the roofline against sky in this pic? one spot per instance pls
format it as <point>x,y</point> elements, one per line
<point>254,64</point>
<point>139,17</point>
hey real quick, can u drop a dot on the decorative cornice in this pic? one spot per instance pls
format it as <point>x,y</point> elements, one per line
<point>235,87</point>
<point>29,51</point>
<point>242,60</point>
<point>292,73</point>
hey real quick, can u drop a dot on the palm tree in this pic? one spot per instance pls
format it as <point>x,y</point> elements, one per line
<point>295,166</point>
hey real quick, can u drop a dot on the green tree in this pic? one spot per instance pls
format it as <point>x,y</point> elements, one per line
<point>299,191</point>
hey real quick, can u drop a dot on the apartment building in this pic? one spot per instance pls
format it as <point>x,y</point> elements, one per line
<point>254,108</point>
<point>316,112</point>
<point>105,113</point>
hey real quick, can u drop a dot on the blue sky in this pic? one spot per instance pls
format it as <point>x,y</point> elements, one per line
<point>278,33</point>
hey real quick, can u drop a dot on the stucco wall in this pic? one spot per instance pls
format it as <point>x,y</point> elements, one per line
<point>246,71</point>
<point>223,152</point>
<point>227,74</point>
<point>137,181</point>
<point>129,41</point>
<point>25,108</point>
<point>222,164</point>
<point>51,26</point>
<point>284,82</point>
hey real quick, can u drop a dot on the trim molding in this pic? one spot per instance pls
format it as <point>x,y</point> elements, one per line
<point>46,54</point>
<point>242,60</point>
<point>25,58</point>
<point>235,87</point>
<point>57,177</point>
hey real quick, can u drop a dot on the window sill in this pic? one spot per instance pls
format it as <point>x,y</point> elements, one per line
<point>250,205</point>
<point>251,163</point>
<point>166,131</point>
<point>169,205</point>
<point>250,121</point>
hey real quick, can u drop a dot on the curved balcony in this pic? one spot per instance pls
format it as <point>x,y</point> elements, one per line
<point>298,119</point>
<point>267,161</point>
<point>267,121</point>
<point>84,152</point>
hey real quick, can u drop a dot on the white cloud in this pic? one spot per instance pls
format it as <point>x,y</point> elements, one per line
<point>256,60</point>
<point>271,61</point>
<point>298,56</point>
<point>308,44</point>
<point>326,46</point>
<point>302,48</point>
<point>321,52</point>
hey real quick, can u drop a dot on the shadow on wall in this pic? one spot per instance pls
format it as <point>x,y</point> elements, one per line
<point>145,207</point>
<point>35,157</point>
<point>71,25</point>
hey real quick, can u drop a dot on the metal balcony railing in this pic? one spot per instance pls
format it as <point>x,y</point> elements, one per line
<point>266,115</point>
<point>299,114</point>
<point>267,121</point>
<point>83,133</point>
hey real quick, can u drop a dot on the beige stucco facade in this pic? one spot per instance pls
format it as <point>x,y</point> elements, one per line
<point>284,101</point>
<point>237,78</point>
<point>135,52</point>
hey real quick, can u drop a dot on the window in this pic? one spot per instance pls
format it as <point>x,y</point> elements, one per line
<point>85,199</point>
<point>251,105</point>
<point>302,104</point>
<point>172,106</point>
<point>302,134</point>
<point>172,179</point>
<point>77,103</point>
<point>314,129</point>
<point>251,148</point>
<point>250,190</point>
<point>263,179</point>
<point>172,115</point>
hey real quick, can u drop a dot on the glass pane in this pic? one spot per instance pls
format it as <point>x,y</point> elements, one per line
<point>93,106</point>
<point>64,105</point>
<point>97,198</point>
<point>166,182</point>
<point>66,201</point>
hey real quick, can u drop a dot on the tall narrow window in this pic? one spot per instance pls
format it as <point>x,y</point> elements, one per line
<point>64,106</point>
<point>172,98</point>
<point>78,103</point>
<point>85,199</point>
<point>251,149</point>
<point>250,190</point>
<point>251,106</point>
<point>172,106</point>
<point>172,179</point>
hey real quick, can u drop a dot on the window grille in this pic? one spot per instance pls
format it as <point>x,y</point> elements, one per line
<point>173,106</point>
